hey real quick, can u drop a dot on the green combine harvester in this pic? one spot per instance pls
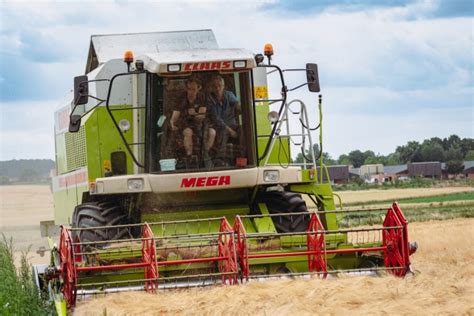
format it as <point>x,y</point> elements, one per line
<point>174,171</point>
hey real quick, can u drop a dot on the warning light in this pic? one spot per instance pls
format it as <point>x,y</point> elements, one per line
<point>128,56</point>
<point>268,50</point>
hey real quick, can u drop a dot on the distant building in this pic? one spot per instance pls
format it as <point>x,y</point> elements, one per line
<point>469,169</point>
<point>337,174</point>
<point>392,173</point>
<point>369,170</point>
<point>430,169</point>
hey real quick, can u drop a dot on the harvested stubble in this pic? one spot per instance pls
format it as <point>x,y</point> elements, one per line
<point>444,284</point>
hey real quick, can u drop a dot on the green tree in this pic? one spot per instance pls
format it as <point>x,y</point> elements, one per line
<point>432,151</point>
<point>409,152</point>
<point>469,155</point>
<point>392,159</point>
<point>454,160</point>
<point>344,160</point>
<point>29,175</point>
<point>357,158</point>
<point>467,145</point>
<point>4,180</point>
<point>451,141</point>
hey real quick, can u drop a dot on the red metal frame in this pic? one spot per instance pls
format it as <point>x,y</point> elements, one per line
<point>149,258</point>
<point>396,250</point>
<point>242,249</point>
<point>234,253</point>
<point>67,267</point>
<point>317,261</point>
<point>226,246</point>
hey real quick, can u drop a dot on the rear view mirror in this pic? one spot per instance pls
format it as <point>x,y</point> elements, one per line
<point>81,90</point>
<point>312,77</point>
<point>74,123</point>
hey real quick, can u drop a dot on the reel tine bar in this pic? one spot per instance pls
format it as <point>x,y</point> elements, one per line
<point>230,251</point>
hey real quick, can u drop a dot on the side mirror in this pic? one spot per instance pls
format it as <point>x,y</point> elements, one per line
<point>74,123</point>
<point>312,77</point>
<point>81,90</point>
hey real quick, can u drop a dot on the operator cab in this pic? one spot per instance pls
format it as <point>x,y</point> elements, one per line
<point>201,113</point>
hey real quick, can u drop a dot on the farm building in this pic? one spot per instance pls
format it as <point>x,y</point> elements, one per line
<point>469,169</point>
<point>368,170</point>
<point>430,169</point>
<point>394,172</point>
<point>337,174</point>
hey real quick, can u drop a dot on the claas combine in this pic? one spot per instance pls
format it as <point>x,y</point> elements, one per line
<point>174,171</point>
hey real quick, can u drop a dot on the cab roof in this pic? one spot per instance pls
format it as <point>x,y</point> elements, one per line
<point>103,48</point>
<point>198,60</point>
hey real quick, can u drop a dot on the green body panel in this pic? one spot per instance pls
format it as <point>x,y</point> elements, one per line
<point>279,154</point>
<point>65,201</point>
<point>103,139</point>
<point>281,149</point>
<point>94,143</point>
<point>263,125</point>
<point>60,306</point>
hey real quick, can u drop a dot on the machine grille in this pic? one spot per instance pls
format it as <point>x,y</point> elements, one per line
<point>76,149</point>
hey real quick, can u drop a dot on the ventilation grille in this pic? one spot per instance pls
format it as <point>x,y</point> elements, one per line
<point>76,150</point>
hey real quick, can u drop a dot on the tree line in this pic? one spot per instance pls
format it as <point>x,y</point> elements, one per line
<point>25,170</point>
<point>451,150</point>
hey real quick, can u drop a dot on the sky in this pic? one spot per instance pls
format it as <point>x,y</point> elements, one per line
<point>390,71</point>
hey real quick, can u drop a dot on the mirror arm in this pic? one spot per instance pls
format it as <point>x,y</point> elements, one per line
<point>295,69</point>
<point>299,86</point>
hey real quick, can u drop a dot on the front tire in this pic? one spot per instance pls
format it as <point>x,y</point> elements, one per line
<point>278,202</point>
<point>100,217</point>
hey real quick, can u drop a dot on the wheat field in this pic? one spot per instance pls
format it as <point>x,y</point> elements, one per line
<point>443,283</point>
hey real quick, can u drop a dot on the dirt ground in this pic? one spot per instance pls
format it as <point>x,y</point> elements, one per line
<point>444,283</point>
<point>22,207</point>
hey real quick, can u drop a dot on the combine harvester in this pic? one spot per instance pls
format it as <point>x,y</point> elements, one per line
<point>174,172</point>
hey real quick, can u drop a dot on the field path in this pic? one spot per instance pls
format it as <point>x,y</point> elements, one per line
<point>396,194</point>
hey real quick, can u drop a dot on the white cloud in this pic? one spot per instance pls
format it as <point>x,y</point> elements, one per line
<point>384,65</point>
<point>27,129</point>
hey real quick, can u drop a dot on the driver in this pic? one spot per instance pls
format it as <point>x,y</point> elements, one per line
<point>193,113</point>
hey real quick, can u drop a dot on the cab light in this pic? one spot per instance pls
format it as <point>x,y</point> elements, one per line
<point>174,68</point>
<point>135,184</point>
<point>240,64</point>
<point>271,176</point>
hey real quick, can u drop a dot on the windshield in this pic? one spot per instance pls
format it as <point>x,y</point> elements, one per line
<point>202,121</point>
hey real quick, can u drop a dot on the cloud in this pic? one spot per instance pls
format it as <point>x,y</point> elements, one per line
<point>310,7</point>
<point>377,59</point>
<point>382,132</point>
<point>407,9</point>
<point>27,129</point>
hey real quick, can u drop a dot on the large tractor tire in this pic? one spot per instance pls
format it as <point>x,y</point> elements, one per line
<point>278,202</point>
<point>99,214</point>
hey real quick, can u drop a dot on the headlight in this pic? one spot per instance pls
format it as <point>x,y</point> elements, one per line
<point>135,184</point>
<point>271,176</point>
